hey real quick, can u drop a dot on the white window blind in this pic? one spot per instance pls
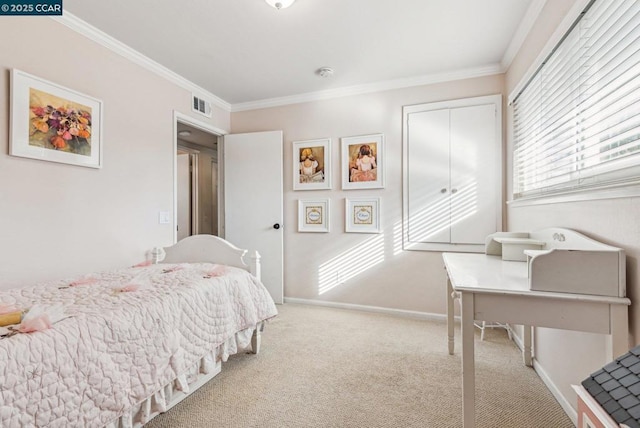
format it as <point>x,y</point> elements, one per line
<point>577,121</point>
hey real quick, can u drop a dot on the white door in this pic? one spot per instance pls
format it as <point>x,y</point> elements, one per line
<point>473,170</point>
<point>253,190</point>
<point>428,176</point>
<point>183,188</point>
<point>452,174</point>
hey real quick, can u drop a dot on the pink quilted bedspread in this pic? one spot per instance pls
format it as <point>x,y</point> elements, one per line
<point>127,334</point>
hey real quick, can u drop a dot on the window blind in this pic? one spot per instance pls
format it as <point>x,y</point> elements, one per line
<point>577,122</point>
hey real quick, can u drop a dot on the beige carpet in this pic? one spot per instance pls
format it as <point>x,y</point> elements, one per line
<point>321,367</point>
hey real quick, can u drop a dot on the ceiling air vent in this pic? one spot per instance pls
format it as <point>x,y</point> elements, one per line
<point>201,106</point>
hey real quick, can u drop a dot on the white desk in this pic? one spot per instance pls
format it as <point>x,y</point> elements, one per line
<point>494,290</point>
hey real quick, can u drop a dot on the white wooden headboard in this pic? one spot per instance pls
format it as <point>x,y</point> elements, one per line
<point>211,249</point>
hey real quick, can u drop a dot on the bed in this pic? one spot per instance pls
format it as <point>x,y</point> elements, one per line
<point>131,343</point>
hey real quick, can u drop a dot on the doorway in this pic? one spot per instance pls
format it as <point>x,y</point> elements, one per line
<point>196,195</point>
<point>186,197</point>
<point>248,207</point>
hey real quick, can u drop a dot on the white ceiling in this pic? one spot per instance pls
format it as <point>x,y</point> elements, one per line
<point>244,51</point>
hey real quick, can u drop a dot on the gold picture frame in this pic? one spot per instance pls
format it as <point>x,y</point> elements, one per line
<point>313,215</point>
<point>362,215</point>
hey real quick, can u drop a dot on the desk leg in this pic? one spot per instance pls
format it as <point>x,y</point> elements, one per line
<point>619,338</point>
<point>450,313</point>
<point>468,365</point>
<point>526,351</point>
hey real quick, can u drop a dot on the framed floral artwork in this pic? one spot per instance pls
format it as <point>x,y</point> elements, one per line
<point>313,215</point>
<point>363,162</point>
<point>362,215</point>
<point>53,123</point>
<point>312,164</point>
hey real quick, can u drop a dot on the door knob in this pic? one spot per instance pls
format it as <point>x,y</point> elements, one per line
<point>454,190</point>
<point>443,190</point>
<point>276,226</point>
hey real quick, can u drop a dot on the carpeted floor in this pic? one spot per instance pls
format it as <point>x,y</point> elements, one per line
<point>323,367</point>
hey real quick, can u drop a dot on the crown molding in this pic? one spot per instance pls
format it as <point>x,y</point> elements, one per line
<point>530,17</point>
<point>98,36</point>
<point>78,25</point>
<point>369,88</point>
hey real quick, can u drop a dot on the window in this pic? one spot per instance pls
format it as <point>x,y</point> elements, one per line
<point>577,121</point>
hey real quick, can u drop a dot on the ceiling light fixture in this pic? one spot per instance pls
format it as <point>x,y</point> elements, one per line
<point>325,72</point>
<point>184,133</point>
<point>280,4</point>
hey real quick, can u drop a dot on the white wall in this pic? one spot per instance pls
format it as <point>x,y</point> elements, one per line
<point>412,280</point>
<point>58,220</point>
<point>569,357</point>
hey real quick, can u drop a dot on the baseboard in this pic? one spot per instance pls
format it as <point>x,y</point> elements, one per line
<point>376,309</point>
<point>518,341</point>
<point>546,379</point>
<point>562,400</point>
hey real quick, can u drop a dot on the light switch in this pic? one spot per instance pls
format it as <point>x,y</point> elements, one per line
<point>164,217</point>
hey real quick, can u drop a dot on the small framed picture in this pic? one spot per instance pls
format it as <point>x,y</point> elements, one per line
<point>312,164</point>
<point>313,215</point>
<point>52,123</point>
<point>362,162</point>
<point>362,215</point>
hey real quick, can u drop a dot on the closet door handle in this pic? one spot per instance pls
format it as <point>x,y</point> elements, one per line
<point>443,190</point>
<point>454,190</point>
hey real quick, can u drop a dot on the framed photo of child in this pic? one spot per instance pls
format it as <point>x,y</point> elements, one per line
<point>363,162</point>
<point>312,164</point>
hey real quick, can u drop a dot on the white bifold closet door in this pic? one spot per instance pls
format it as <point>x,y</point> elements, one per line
<point>473,171</point>
<point>453,170</point>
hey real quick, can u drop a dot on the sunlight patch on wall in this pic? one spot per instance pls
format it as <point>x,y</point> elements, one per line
<point>350,263</point>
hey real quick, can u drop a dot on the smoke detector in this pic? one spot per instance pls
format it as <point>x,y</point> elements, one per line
<point>325,72</point>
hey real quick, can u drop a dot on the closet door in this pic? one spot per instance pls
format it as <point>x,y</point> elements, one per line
<point>428,176</point>
<point>473,174</point>
<point>452,174</point>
